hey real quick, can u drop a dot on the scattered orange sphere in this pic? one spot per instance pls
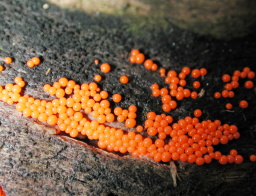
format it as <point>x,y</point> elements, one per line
<point>96,61</point>
<point>154,67</point>
<point>185,70</point>
<point>139,58</point>
<point>134,52</point>
<point>229,106</point>
<point>8,60</point>
<point>148,64</point>
<point>249,84</point>
<point>196,84</point>
<point>252,158</point>
<point>124,79</point>
<point>195,73</point>
<point>198,113</point>
<point>132,108</point>
<point>243,104</point>
<point>238,159</point>
<point>117,98</point>
<point>36,60</point>
<point>97,78</point>
<point>217,95</point>
<point>251,75</point>
<point>226,78</point>
<point>30,63</point>
<point>194,95</point>
<point>1,68</point>
<point>105,67</point>
<point>203,71</point>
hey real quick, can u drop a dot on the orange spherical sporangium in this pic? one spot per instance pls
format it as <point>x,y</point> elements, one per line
<point>198,113</point>
<point>30,63</point>
<point>124,79</point>
<point>130,123</point>
<point>97,78</point>
<point>117,98</point>
<point>1,68</point>
<point>195,73</point>
<point>36,60</point>
<point>105,67</point>
<point>8,60</point>
<point>243,104</point>
<point>139,58</point>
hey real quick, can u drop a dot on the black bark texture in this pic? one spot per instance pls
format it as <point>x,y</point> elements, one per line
<point>36,162</point>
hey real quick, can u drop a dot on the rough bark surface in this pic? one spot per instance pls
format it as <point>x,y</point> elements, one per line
<point>35,162</point>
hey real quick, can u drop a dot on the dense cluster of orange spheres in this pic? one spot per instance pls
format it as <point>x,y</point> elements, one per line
<point>85,110</point>
<point>177,90</point>
<point>176,81</point>
<point>232,82</point>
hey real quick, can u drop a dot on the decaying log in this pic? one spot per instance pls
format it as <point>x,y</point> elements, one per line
<point>34,161</point>
<point>42,164</point>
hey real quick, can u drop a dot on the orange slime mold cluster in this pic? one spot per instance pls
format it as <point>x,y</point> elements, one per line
<point>85,110</point>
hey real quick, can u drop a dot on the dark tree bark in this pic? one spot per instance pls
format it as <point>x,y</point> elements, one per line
<point>34,161</point>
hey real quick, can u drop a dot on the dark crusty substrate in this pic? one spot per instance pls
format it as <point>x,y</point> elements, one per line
<point>34,162</point>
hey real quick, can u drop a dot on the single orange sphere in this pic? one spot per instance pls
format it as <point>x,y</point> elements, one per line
<point>124,79</point>
<point>117,98</point>
<point>105,67</point>
<point>185,70</point>
<point>1,68</point>
<point>217,95</point>
<point>140,58</point>
<point>36,60</point>
<point>203,71</point>
<point>132,59</point>
<point>97,78</point>
<point>132,108</point>
<point>104,94</point>
<point>21,83</point>
<point>60,93</point>
<point>8,60</point>
<point>134,52</point>
<point>105,104</point>
<point>243,104</point>
<point>195,73</point>
<point>63,82</point>
<point>96,61</point>
<point>148,64</point>
<point>248,84</point>
<point>130,123</point>
<point>198,113</point>
<point>252,158</point>
<point>30,63</point>
<point>193,95</point>
<point>229,106</point>
<point>196,84</point>
<point>226,78</point>
<point>52,120</point>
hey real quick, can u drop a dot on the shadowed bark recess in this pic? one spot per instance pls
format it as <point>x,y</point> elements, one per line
<point>34,161</point>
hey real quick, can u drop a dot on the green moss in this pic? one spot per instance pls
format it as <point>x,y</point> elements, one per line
<point>225,19</point>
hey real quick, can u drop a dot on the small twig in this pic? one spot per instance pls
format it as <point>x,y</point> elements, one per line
<point>48,71</point>
<point>201,93</point>
<point>174,173</point>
